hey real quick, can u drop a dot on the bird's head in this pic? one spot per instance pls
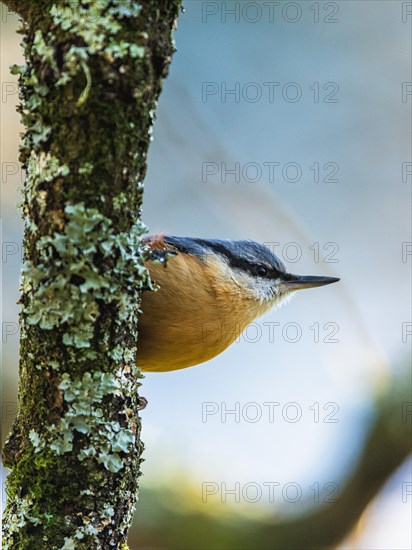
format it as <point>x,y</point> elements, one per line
<point>255,270</point>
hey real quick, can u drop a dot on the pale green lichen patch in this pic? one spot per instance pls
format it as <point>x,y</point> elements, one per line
<point>24,515</point>
<point>69,544</point>
<point>80,534</point>
<point>42,168</point>
<point>98,24</point>
<point>35,439</point>
<point>66,284</point>
<point>44,50</point>
<point>104,439</point>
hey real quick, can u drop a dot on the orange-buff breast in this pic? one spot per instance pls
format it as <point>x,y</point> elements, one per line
<point>195,315</point>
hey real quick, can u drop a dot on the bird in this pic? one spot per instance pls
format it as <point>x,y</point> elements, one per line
<point>209,291</point>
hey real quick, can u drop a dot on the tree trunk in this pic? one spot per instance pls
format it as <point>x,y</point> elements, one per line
<point>93,73</point>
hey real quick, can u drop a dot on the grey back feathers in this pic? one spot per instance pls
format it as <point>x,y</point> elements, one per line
<point>245,255</point>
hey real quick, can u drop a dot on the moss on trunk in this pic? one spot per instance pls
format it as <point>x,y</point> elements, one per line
<point>93,73</point>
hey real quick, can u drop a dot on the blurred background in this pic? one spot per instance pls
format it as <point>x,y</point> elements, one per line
<point>287,123</point>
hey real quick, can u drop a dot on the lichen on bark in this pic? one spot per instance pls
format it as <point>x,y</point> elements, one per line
<point>93,73</point>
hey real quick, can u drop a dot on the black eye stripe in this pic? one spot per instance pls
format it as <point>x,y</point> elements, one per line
<point>242,255</point>
<point>241,263</point>
<point>265,272</point>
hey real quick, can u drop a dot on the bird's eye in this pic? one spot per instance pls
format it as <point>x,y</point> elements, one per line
<point>261,270</point>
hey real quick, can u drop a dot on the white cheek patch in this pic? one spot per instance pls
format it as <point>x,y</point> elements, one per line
<point>265,291</point>
<point>283,298</point>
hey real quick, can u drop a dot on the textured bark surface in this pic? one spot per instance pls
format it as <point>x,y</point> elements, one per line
<point>93,73</point>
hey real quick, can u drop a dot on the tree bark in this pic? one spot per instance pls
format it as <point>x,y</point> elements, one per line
<point>93,73</point>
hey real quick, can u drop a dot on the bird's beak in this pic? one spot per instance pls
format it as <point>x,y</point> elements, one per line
<point>300,282</point>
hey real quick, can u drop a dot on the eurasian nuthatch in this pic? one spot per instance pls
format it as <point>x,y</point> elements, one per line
<point>210,291</point>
